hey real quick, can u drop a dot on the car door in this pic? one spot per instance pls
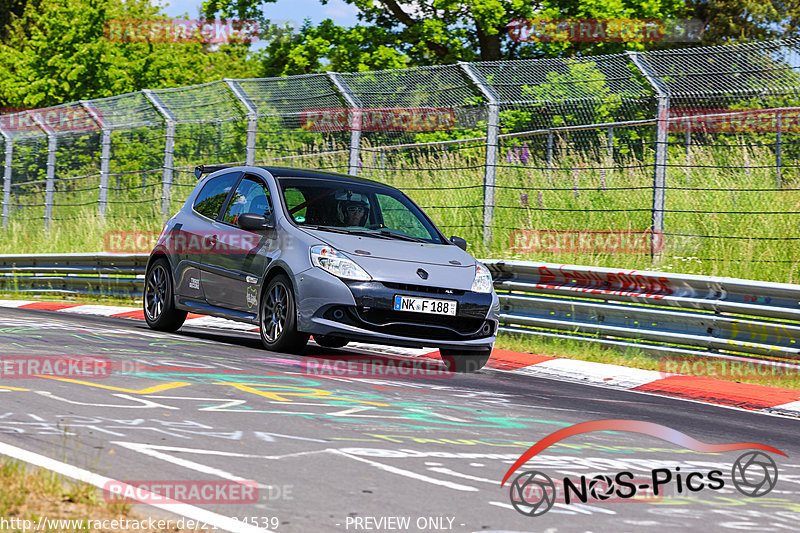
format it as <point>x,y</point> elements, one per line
<point>233,270</point>
<point>194,234</point>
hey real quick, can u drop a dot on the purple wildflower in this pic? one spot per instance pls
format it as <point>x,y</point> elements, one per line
<point>540,200</point>
<point>575,173</point>
<point>526,154</point>
<point>603,179</point>
<point>523,199</point>
<point>508,158</point>
<point>516,151</point>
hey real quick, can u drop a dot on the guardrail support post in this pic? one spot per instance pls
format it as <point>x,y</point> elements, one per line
<point>52,145</point>
<point>169,147</point>
<point>660,163</point>
<point>354,105</point>
<point>9,150</point>
<point>492,141</point>
<point>778,150</point>
<point>105,156</point>
<point>252,119</point>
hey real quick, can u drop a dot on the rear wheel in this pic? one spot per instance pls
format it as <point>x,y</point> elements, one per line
<point>278,325</point>
<point>327,341</point>
<point>462,361</point>
<point>159,306</point>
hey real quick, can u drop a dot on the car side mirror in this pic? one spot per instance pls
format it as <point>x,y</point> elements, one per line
<point>253,222</point>
<point>458,241</point>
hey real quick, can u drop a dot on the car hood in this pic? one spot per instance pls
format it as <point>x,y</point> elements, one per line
<point>399,261</point>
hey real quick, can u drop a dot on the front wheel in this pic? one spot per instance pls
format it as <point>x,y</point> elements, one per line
<point>159,307</point>
<point>278,325</point>
<point>462,361</point>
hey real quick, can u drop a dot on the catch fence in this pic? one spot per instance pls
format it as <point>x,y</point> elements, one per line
<point>693,150</point>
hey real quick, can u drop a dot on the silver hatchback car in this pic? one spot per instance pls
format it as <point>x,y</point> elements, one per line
<point>302,252</point>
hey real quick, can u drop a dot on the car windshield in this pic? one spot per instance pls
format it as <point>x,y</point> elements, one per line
<point>359,208</point>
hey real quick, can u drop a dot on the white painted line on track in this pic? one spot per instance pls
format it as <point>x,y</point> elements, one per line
<point>182,509</point>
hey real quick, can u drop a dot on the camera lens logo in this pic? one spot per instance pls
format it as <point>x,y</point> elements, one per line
<point>754,474</point>
<point>601,487</point>
<point>533,493</point>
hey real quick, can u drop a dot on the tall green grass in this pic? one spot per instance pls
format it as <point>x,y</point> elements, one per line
<point>574,193</point>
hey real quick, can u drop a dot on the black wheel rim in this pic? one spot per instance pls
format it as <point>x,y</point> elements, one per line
<point>274,314</point>
<point>155,292</point>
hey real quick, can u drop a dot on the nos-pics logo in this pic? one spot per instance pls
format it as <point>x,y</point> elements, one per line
<point>533,493</point>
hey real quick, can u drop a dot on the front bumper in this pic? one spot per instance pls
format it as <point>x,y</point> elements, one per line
<point>363,311</point>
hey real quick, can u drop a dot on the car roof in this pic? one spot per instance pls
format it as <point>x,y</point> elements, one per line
<point>289,172</point>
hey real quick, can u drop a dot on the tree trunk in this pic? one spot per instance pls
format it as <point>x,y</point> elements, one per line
<point>489,45</point>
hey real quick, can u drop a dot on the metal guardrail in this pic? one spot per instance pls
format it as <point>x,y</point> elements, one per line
<point>98,273</point>
<point>652,311</point>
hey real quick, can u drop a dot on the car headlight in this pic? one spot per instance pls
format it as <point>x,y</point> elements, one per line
<point>337,263</point>
<point>483,279</point>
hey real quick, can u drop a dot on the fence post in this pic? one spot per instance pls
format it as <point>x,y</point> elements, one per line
<point>252,119</point>
<point>9,150</point>
<point>169,147</point>
<point>492,138</point>
<point>660,163</point>
<point>354,105</point>
<point>610,143</point>
<point>778,150</point>
<point>105,156</point>
<point>52,145</point>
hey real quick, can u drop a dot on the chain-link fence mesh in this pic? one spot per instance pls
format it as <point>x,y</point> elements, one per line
<point>551,159</point>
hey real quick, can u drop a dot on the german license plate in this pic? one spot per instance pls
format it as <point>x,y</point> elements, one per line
<point>425,305</point>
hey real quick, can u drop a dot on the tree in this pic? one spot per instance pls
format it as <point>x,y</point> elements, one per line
<point>446,31</point>
<point>61,51</point>
<point>728,21</point>
<point>331,47</point>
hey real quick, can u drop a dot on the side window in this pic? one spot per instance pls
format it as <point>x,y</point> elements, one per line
<point>212,196</point>
<point>295,198</point>
<point>251,196</point>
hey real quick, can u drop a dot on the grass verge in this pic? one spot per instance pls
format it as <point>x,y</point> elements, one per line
<point>35,494</point>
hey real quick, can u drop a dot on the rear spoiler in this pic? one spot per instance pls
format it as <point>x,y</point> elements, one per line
<point>199,170</point>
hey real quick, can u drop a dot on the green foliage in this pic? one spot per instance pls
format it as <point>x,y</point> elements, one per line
<point>60,51</point>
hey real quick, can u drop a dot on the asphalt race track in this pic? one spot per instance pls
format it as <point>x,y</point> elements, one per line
<point>333,453</point>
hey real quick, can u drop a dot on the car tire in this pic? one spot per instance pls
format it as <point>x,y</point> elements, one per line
<point>157,301</point>
<point>327,341</point>
<point>462,361</point>
<point>278,318</point>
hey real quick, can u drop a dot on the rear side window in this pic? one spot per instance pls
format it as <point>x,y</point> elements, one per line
<point>213,194</point>
<point>251,196</point>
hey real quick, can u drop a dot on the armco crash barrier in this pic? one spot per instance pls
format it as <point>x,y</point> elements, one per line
<point>654,311</point>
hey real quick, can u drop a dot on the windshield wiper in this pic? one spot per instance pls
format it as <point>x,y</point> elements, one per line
<point>332,229</point>
<point>401,236</point>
